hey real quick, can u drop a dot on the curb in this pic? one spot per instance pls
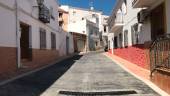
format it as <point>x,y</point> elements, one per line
<point>36,70</point>
<point>149,83</point>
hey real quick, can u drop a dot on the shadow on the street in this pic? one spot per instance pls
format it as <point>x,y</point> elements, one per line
<point>36,83</point>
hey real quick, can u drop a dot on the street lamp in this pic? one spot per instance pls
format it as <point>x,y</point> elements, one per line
<point>40,2</point>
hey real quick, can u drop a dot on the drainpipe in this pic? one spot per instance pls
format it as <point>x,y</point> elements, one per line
<point>17,36</point>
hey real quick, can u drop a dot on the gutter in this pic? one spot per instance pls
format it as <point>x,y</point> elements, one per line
<point>17,36</point>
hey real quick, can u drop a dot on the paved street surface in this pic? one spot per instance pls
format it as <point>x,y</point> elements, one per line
<point>90,75</point>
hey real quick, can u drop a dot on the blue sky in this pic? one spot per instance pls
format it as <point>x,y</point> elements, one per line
<point>105,5</point>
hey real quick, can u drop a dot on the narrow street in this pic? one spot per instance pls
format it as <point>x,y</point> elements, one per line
<point>92,72</point>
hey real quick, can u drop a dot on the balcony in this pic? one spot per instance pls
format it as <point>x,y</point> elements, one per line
<point>116,23</point>
<point>44,14</point>
<point>142,3</point>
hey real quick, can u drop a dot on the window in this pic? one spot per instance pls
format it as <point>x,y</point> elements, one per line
<point>96,43</point>
<point>135,37</point>
<point>53,41</point>
<point>105,29</point>
<point>125,1</point>
<point>126,38</point>
<point>74,13</point>
<point>61,23</point>
<point>60,14</point>
<point>91,32</point>
<point>93,15</point>
<point>42,39</point>
<point>124,7</point>
<point>120,40</point>
<point>52,13</point>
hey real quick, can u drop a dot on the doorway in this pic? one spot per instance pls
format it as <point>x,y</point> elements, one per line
<point>26,52</point>
<point>158,21</point>
<point>115,42</point>
<point>67,45</point>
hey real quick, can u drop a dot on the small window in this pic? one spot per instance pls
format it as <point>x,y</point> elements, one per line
<point>93,15</point>
<point>125,1</point>
<point>74,12</point>
<point>134,31</point>
<point>60,14</point>
<point>52,13</point>
<point>61,23</point>
<point>120,39</point>
<point>124,7</point>
<point>126,38</point>
<point>91,32</point>
<point>43,38</point>
<point>96,43</point>
<point>105,29</point>
<point>53,41</point>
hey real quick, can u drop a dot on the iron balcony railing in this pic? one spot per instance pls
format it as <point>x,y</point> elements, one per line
<point>160,54</point>
<point>116,19</point>
<point>44,14</point>
<point>134,2</point>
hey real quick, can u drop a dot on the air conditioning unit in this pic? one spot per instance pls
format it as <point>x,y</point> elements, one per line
<point>142,15</point>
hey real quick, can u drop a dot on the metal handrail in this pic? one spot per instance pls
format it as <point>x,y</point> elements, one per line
<point>160,53</point>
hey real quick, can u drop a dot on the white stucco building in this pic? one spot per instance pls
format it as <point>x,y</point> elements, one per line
<point>141,35</point>
<point>85,22</point>
<point>30,34</point>
<point>121,23</point>
<point>105,30</point>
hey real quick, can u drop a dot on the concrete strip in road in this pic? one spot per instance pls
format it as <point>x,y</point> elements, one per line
<point>36,70</point>
<point>148,82</point>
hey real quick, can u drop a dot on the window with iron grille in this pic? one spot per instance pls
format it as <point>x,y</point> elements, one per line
<point>135,37</point>
<point>43,39</point>
<point>120,40</point>
<point>52,13</point>
<point>53,41</point>
<point>126,38</point>
<point>105,29</point>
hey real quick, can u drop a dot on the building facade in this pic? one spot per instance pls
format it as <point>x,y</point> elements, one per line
<point>141,35</point>
<point>84,23</point>
<point>154,23</point>
<point>105,32</point>
<point>63,25</point>
<point>30,36</point>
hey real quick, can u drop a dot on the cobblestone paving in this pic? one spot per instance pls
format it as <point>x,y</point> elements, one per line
<point>92,72</point>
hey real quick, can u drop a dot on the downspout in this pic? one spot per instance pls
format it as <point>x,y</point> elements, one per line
<point>17,36</point>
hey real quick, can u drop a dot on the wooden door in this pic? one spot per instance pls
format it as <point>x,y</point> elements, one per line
<point>158,21</point>
<point>24,42</point>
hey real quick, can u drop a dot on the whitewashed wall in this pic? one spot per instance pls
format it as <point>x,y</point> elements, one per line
<point>111,39</point>
<point>79,14</point>
<point>130,18</point>
<point>7,24</point>
<point>28,14</point>
<point>145,32</point>
<point>78,27</point>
